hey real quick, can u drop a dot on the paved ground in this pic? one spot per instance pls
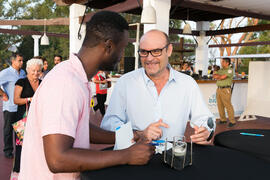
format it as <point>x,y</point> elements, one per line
<point>6,164</point>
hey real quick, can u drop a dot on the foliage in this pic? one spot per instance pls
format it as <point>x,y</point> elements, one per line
<point>174,38</point>
<point>261,49</point>
<point>33,9</point>
<point>245,37</point>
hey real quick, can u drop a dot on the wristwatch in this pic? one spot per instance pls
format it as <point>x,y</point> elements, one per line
<point>210,124</point>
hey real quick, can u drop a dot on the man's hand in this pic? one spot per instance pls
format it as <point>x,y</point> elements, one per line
<point>153,131</point>
<point>138,136</point>
<point>5,97</point>
<point>200,135</point>
<point>104,81</point>
<point>140,153</point>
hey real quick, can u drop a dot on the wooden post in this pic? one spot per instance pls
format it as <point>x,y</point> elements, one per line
<point>181,48</point>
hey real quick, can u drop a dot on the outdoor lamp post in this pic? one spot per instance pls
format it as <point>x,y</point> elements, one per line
<point>136,44</point>
<point>148,16</point>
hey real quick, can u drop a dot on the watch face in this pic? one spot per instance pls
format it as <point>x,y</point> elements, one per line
<point>210,123</point>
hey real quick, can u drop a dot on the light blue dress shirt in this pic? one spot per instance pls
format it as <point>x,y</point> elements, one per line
<point>136,99</point>
<point>8,78</point>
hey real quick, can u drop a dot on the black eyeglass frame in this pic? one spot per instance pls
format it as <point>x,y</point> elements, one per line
<point>150,51</point>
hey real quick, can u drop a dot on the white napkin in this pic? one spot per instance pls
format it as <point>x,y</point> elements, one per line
<point>123,136</point>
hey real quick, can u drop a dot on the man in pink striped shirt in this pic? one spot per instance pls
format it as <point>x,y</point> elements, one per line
<point>57,135</point>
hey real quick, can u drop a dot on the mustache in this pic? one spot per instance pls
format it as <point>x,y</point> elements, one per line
<point>151,62</point>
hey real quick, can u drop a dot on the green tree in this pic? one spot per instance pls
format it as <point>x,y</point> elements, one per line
<point>11,9</point>
<point>47,10</point>
<point>33,9</point>
<point>261,49</point>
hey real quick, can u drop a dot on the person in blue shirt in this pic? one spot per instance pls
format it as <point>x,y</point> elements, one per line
<point>157,100</point>
<point>8,78</point>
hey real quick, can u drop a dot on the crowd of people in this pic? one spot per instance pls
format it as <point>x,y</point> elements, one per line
<point>17,90</point>
<point>58,125</point>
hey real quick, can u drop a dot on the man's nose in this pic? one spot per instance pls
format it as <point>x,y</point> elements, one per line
<point>150,56</point>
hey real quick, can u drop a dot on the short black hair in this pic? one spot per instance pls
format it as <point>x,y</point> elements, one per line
<point>228,60</point>
<point>58,56</point>
<point>14,55</point>
<point>104,25</point>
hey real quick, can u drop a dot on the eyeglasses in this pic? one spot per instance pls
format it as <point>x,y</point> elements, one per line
<point>154,52</point>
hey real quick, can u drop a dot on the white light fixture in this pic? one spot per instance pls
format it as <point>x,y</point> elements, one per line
<point>148,14</point>
<point>187,27</point>
<point>44,39</point>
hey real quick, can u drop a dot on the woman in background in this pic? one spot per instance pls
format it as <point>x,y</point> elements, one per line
<point>45,69</point>
<point>23,93</point>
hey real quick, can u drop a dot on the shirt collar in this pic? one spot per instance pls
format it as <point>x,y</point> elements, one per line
<point>77,65</point>
<point>172,73</point>
<point>13,69</point>
<point>171,76</point>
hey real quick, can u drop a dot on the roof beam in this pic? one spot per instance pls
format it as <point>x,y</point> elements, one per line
<point>218,9</point>
<point>240,44</point>
<point>69,2</point>
<point>120,7</point>
<point>256,28</point>
<point>176,44</point>
<point>261,27</point>
<point>36,22</point>
<point>28,33</point>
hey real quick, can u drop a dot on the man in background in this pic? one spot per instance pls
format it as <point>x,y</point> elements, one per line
<point>57,59</point>
<point>224,78</point>
<point>8,78</point>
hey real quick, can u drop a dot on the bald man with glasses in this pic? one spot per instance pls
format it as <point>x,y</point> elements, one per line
<point>156,99</point>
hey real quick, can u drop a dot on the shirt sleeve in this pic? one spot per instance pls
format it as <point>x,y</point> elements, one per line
<point>20,82</point>
<point>199,110</point>
<point>116,113</point>
<point>3,79</point>
<point>61,108</point>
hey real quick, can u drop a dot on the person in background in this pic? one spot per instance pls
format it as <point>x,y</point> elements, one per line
<point>8,78</point>
<point>157,100</point>
<point>100,79</point>
<point>23,93</point>
<point>187,69</point>
<point>216,68</point>
<point>58,126</point>
<point>45,69</point>
<point>224,78</point>
<point>57,59</point>
<point>210,71</point>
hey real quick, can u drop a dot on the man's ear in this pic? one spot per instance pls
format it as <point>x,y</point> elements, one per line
<point>108,46</point>
<point>170,49</point>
